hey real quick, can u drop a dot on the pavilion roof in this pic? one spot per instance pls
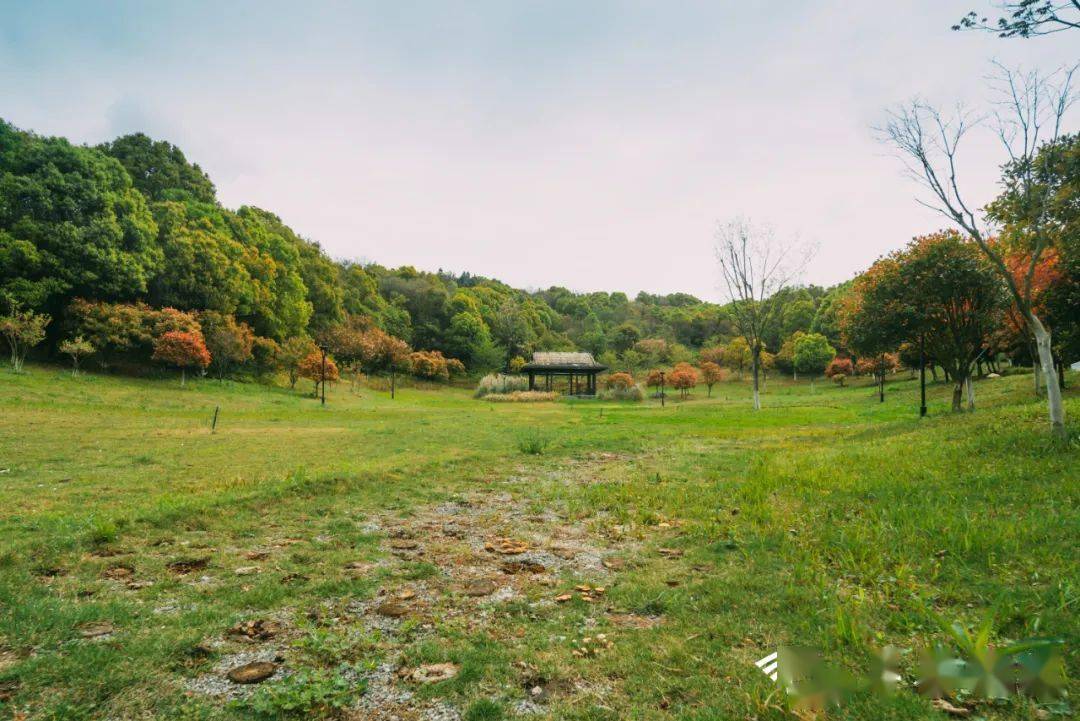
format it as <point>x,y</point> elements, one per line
<point>563,361</point>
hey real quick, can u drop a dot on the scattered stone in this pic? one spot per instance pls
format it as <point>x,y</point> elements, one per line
<point>433,673</point>
<point>255,630</point>
<point>254,672</point>
<point>246,570</point>
<point>480,587</point>
<point>392,609</point>
<point>184,566</point>
<point>257,555</point>
<point>96,629</point>
<point>506,546</point>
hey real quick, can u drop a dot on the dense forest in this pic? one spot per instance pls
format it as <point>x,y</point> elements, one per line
<point>116,245</point>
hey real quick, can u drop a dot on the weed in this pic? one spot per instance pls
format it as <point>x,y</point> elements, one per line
<point>533,443</point>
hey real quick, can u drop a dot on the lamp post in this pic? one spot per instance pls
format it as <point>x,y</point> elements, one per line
<point>922,374</point>
<point>322,374</point>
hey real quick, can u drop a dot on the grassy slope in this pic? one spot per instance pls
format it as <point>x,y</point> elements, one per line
<point>827,520</point>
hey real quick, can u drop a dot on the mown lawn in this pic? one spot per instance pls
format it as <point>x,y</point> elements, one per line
<point>826,520</point>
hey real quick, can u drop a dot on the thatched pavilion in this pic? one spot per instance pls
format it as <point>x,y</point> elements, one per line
<point>577,367</point>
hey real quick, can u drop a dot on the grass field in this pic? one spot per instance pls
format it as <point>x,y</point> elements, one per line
<point>367,536</point>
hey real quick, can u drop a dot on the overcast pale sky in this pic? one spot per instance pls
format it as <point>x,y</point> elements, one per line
<point>594,145</point>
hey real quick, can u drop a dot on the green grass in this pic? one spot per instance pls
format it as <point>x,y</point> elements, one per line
<point>827,520</point>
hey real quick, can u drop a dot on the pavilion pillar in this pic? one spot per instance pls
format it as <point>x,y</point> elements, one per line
<point>532,381</point>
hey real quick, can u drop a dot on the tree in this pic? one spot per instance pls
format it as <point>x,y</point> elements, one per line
<point>624,337</point>
<point>1032,107</point>
<point>265,356</point>
<point>785,357</point>
<point>939,289</point>
<point>712,374</point>
<point>70,224</point>
<point>655,379</point>
<point>430,364</point>
<point>516,364</point>
<point>292,354</point>
<point>76,347</point>
<point>1026,18</point>
<point>684,377</point>
<point>755,266</point>
<point>229,342</point>
<point>737,355</point>
<point>22,329</point>
<point>812,355</point>
<point>159,170</point>
<point>318,368</point>
<point>182,349</point>
<point>839,369</point>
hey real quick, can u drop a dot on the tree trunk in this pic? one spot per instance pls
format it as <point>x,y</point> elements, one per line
<point>183,377</point>
<point>970,387</point>
<point>811,385</point>
<point>881,387</point>
<point>393,383</point>
<point>1053,388</point>
<point>956,396</point>
<point>757,392</point>
<point>933,371</point>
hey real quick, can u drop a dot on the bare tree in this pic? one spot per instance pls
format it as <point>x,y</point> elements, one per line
<point>1026,18</point>
<point>755,265</point>
<point>1028,114</point>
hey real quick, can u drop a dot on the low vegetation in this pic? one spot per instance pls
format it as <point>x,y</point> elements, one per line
<point>433,555</point>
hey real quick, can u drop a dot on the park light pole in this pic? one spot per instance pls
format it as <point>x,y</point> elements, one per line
<point>322,374</point>
<point>922,374</point>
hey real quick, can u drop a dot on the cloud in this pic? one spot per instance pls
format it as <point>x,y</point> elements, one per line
<point>590,145</point>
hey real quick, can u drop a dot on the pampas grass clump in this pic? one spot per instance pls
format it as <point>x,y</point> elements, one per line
<point>500,383</point>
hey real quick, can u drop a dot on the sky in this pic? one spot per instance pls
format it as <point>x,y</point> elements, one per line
<point>594,145</point>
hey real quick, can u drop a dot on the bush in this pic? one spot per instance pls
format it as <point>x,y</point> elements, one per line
<point>522,397</point>
<point>620,381</point>
<point>533,443</point>
<point>632,393</point>
<point>500,383</point>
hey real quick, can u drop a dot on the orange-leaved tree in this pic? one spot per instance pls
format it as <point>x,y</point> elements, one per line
<point>712,374</point>
<point>183,349</point>
<point>312,368</point>
<point>684,377</point>
<point>839,369</point>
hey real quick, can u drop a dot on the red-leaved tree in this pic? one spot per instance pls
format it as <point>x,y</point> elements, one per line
<point>684,377</point>
<point>182,349</point>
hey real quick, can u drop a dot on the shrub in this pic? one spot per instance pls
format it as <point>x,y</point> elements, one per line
<point>500,383</point>
<point>23,330</point>
<point>633,393</point>
<point>522,397</point>
<point>309,693</point>
<point>533,443</point>
<point>76,347</point>
<point>516,364</point>
<point>619,381</point>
